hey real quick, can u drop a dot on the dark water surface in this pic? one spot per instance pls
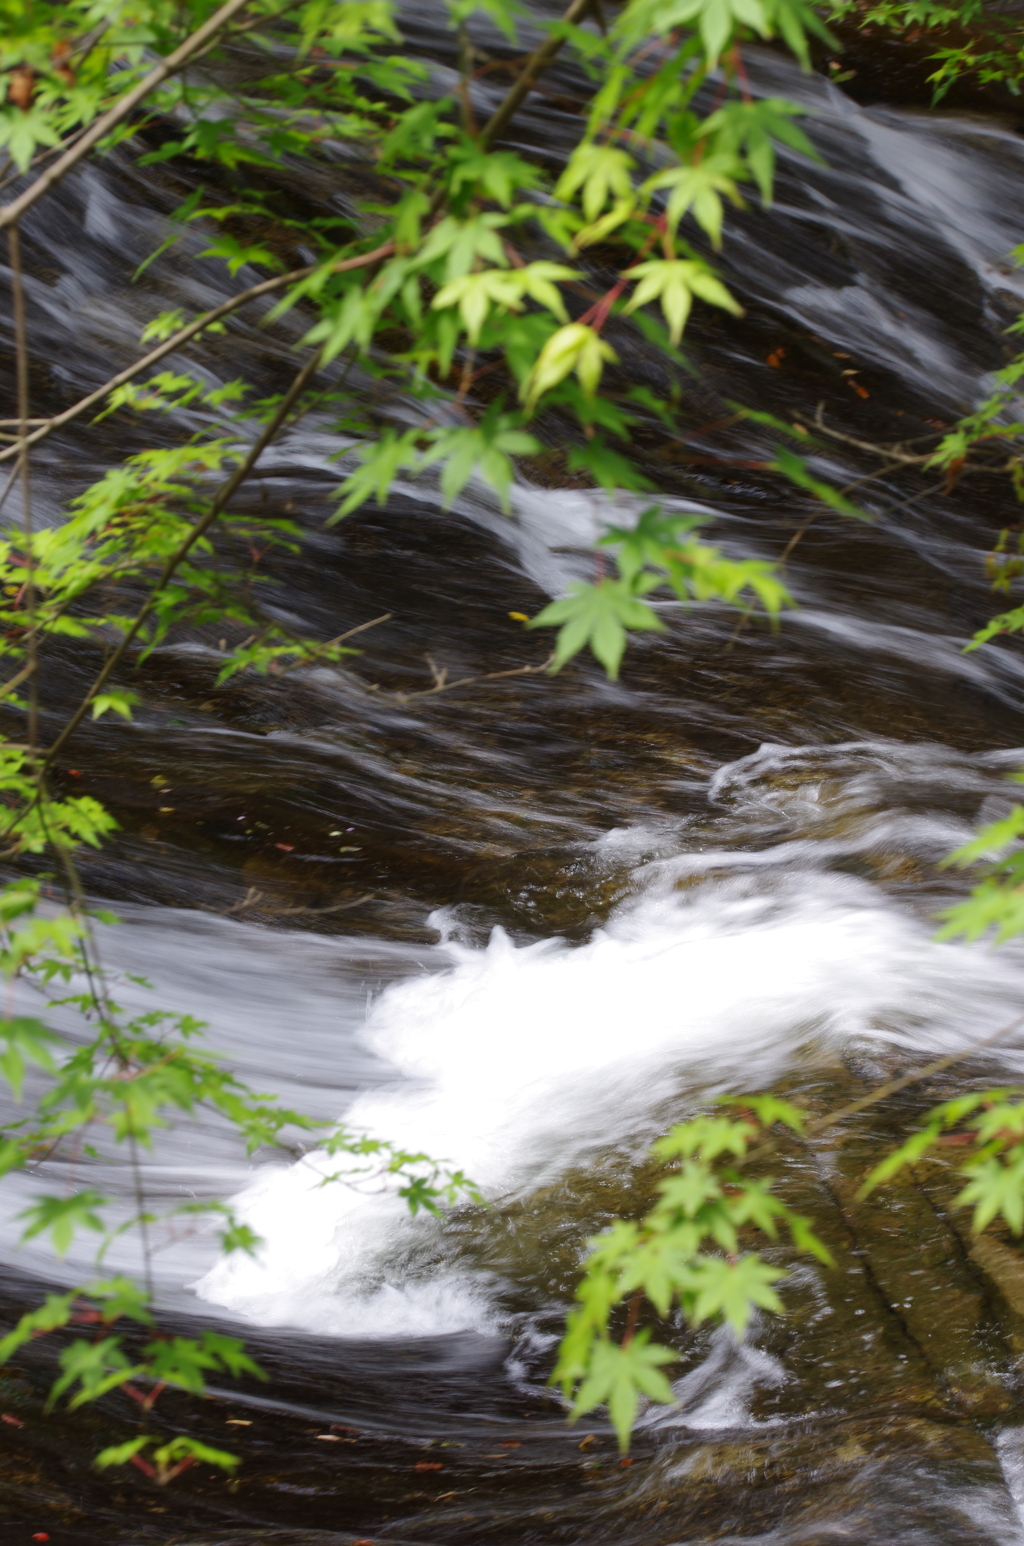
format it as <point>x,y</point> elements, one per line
<point>717,873</point>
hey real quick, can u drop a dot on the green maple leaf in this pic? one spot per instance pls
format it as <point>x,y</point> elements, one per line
<point>999,1120</point>
<point>769,1109</point>
<point>690,1189</point>
<point>659,1267</point>
<point>674,282</point>
<point>618,1375</point>
<point>602,171</point>
<point>732,1289</point>
<point>598,615</point>
<point>27,1041</point>
<point>96,1367</point>
<point>990,840</point>
<point>716,20</point>
<point>699,187</point>
<point>54,1312</point>
<point>61,1216</point>
<point>995,1189</point>
<point>751,127</point>
<point>710,1136</point>
<point>992,904</point>
<point>794,468</point>
<point>487,448</point>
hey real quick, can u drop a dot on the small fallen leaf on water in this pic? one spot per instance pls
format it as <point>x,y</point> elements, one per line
<point>239,1422</point>
<point>363,1541</point>
<point>40,1535</point>
<point>519,617</point>
<point>626,1460</point>
<point>15,1422</point>
<point>511,1444</point>
<point>442,1495</point>
<point>285,847</point>
<point>776,358</point>
<point>428,1465</point>
<point>588,1440</point>
<point>329,1438</point>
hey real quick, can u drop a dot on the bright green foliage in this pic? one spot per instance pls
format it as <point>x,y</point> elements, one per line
<point>993,1123</point>
<point>487,449</point>
<point>475,294</point>
<point>617,1375</point>
<point>995,903</point>
<point>55,1312</point>
<point>598,615</point>
<point>601,174</point>
<point>988,47</point>
<point>24,1041</point>
<point>674,283</point>
<point>665,1260</point>
<point>769,1109</point>
<point>95,1367</point>
<point>660,551</point>
<point>166,1461</point>
<point>998,900</point>
<point>61,1216</point>
<point>186,1361</point>
<point>574,348</point>
<point>751,128</point>
<point>422,1181</point>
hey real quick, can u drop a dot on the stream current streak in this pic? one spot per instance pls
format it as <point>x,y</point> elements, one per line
<point>719,874</point>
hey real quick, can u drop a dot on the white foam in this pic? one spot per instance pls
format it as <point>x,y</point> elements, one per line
<point>521,1061</point>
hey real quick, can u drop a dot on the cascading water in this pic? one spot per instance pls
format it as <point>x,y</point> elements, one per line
<point>718,873</point>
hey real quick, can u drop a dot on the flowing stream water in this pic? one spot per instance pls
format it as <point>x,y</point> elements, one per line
<point>560,912</point>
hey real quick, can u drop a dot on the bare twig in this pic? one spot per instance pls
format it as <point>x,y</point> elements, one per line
<point>201,526</point>
<point>895,452</point>
<point>316,651</point>
<point>442,684</point>
<point>532,70</point>
<point>253,898</point>
<point>795,538</point>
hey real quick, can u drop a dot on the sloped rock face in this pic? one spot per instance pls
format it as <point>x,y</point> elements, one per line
<point>887,1405</point>
<point>896,1412</point>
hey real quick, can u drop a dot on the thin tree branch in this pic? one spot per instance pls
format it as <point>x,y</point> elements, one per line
<point>185,334</point>
<point>442,684</point>
<point>117,114</point>
<point>883,1091</point>
<point>21,348</point>
<point>533,69</point>
<point>896,452</point>
<point>203,525</point>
